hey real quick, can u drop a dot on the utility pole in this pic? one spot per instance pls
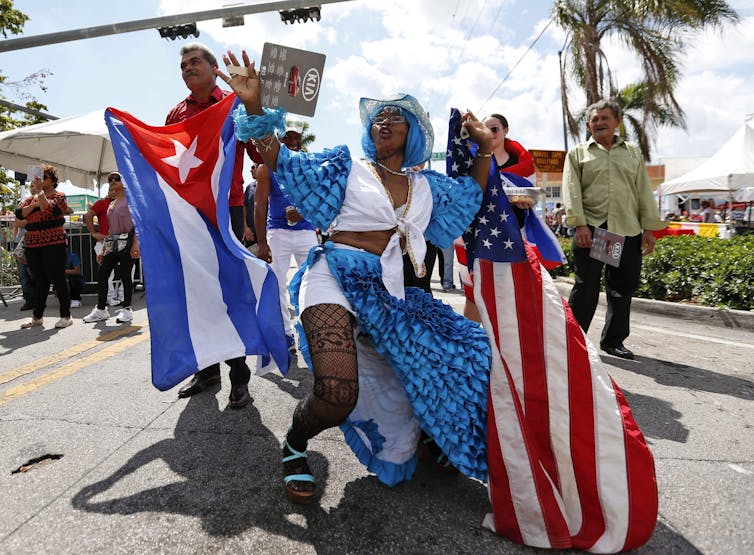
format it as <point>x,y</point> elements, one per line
<point>157,23</point>
<point>562,100</point>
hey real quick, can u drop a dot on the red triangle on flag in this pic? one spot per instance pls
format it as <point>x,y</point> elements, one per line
<point>185,154</point>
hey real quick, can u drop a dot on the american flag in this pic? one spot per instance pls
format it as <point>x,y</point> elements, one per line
<point>568,466</point>
<point>208,298</point>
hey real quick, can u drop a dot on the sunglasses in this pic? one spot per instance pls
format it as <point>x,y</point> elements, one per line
<point>113,179</point>
<point>495,128</point>
<point>393,120</point>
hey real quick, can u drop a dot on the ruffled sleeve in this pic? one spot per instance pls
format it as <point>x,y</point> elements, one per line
<point>456,202</point>
<point>315,182</point>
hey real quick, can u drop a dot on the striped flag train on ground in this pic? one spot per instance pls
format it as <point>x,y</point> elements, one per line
<point>208,298</point>
<point>568,466</point>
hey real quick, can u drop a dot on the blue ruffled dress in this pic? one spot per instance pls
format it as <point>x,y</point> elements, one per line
<point>441,359</point>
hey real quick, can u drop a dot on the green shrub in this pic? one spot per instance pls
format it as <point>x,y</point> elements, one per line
<point>708,271</point>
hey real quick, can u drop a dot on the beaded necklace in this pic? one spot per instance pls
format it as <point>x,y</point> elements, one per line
<point>422,269</point>
<point>388,170</point>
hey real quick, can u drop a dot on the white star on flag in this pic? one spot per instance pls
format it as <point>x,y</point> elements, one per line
<point>508,244</point>
<point>504,216</point>
<point>183,159</point>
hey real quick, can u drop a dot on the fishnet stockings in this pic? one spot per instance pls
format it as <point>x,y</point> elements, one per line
<point>329,332</point>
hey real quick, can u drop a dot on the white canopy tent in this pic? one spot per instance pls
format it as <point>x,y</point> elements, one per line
<point>79,147</point>
<point>729,170</point>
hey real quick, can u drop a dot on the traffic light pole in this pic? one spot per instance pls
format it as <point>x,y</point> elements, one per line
<point>155,23</point>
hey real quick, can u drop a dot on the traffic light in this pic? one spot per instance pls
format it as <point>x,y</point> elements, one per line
<point>174,31</point>
<point>300,15</point>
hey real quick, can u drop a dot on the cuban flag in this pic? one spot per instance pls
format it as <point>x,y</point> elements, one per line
<point>568,466</point>
<point>208,298</point>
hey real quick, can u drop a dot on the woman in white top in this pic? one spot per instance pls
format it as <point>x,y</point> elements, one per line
<point>387,361</point>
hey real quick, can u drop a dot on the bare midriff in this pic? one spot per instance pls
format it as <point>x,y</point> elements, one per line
<point>371,241</point>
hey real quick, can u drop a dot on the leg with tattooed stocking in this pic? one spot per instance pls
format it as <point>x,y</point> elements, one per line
<point>329,332</point>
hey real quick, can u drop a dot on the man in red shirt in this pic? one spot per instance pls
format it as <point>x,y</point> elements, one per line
<point>198,65</point>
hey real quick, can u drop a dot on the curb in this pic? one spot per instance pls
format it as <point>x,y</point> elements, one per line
<point>721,317</point>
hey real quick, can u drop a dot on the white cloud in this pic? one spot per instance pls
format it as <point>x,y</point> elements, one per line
<point>457,52</point>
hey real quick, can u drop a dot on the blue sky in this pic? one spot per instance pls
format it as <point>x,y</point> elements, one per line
<point>444,52</point>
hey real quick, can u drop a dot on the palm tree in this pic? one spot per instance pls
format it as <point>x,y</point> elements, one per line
<point>642,116</point>
<point>652,29</point>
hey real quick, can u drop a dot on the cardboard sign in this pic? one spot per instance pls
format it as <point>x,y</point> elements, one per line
<point>291,78</point>
<point>607,247</point>
<point>34,171</point>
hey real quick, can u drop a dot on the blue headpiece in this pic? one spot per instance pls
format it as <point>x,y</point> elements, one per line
<point>420,138</point>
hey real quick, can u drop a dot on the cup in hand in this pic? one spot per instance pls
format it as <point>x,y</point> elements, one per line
<point>288,212</point>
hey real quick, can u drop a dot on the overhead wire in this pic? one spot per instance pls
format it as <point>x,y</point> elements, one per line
<point>455,11</point>
<point>473,25</point>
<point>504,79</point>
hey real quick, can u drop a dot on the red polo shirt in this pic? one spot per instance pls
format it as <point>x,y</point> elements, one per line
<point>190,107</point>
<point>100,210</point>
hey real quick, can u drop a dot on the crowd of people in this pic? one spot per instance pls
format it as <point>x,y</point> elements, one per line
<point>376,343</point>
<point>45,258</point>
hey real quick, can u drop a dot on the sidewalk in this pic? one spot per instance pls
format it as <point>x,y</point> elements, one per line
<point>722,317</point>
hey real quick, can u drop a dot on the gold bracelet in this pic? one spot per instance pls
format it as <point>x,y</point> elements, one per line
<point>480,155</point>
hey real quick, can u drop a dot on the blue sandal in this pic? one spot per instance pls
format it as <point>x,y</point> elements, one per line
<point>301,497</point>
<point>435,455</point>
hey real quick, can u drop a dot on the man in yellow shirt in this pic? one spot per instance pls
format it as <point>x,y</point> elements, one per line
<point>605,184</point>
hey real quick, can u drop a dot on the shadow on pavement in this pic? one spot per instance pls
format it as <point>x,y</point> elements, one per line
<point>657,418</point>
<point>298,383</point>
<point>18,338</point>
<point>227,466</point>
<point>679,375</point>
<point>664,541</point>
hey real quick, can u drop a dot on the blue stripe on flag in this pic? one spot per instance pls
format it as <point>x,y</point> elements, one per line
<point>173,357</point>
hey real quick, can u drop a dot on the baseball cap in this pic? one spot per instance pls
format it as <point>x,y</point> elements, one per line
<point>294,125</point>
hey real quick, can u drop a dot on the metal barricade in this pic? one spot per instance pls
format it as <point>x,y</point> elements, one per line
<point>82,243</point>
<point>9,282</point>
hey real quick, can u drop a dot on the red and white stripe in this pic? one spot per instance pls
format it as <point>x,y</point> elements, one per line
<point>569,467</point>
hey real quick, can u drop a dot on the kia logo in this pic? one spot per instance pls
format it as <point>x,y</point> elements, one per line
<point>310,85</point>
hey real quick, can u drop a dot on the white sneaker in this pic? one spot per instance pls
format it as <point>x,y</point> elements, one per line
<point>114,302</point>
<point>75,304</point>
<point>97,315</point>
<point>124,315</point>
<point>64,323</point>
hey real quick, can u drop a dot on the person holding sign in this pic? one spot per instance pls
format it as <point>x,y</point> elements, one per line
<point>380,352</point>
<point>45,243</point>
<point>605,185</point>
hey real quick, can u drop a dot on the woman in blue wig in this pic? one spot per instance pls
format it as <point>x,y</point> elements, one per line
<point>388,361</point>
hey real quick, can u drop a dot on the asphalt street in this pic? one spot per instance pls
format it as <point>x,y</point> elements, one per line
<point>94,459</point>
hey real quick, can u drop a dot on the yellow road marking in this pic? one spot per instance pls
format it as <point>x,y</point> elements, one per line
<point>68,369</point>
<point>11,375</point>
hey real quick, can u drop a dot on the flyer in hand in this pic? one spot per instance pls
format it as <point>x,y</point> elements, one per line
<point>607,247</point>
<point>291,78</point>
